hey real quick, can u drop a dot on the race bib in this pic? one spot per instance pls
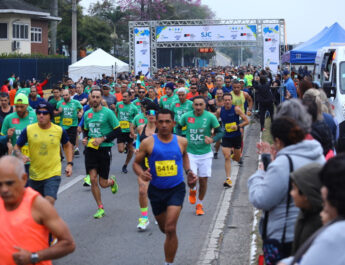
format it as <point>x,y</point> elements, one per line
<point>25,150</point>
<point>228,127</point>
<point>147,163</point>
<point>124,124</point>
<point>67,121</point>
<point>166,168</point>
<point>91,145</point>
<point>57,119</point>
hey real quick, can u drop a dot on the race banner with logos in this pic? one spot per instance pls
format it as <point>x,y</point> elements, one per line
<point>206,33</point>
<point>142,50</point>
<point>270,33</point>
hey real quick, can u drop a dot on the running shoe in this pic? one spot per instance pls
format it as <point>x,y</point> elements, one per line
<point>199,209</point>
<point>192,196</point>
<point>124,169</point>
<point>99,214</point>
<point>143,224</point>
<point>87,181</point>
<point>114,187</point>
<point>241,161</point>
<point>215,155</point>
<point>76,152</point>
<point>227,183</point>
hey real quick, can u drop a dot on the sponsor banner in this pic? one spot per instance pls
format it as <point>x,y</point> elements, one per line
<point>142,50</point>
<point>270,33</point>
<point>206,33</point>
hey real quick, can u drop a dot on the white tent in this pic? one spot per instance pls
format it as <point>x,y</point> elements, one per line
<point>94,65</point>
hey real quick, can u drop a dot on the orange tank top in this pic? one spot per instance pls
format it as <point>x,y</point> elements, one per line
<point>18,228</point>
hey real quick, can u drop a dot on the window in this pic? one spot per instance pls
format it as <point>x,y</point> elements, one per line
<point>36,34</point>
<point>342,77</point>
<point>3,30</point>
<point>20,31</point>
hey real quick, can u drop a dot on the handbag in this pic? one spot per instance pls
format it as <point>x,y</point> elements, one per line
<point>272,248</point>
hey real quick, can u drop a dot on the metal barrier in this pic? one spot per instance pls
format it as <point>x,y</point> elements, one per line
<point>35,68</point>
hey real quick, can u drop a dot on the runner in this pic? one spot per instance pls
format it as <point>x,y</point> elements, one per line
<point>166,101</point>
<point>145,131</point>
<point>167,188</point>
<point>101,127</point>
<point>125,112</point>
<point>230,118</point>
<point>44,139</point>
<point>141,97</point>
<point>18,121</point>
<point>219,104</point>
<point>70,110</point>
<point>34,99</point>
<point>199,125</point>
<point>5,107</point>
<point>26,219</point>
<point>193,91</point>
<point>180,107</point>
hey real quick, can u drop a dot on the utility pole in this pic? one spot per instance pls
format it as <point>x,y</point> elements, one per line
<point>54,12</point>
<point>74,31</point>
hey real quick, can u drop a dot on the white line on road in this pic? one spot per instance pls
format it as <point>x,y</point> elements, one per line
<point>211,248</point>
<point>253,247</point>
<point>70,183</point>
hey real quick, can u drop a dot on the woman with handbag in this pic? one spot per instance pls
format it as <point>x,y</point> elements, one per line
<point>269,187</point>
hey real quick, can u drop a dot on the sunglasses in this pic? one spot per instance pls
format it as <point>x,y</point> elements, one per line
<point>151,112</point>
<point>141,92</point>
<point>44,112</point>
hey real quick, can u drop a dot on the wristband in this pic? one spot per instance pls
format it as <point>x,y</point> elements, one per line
<point>187,171</point>
<point>70,163</point>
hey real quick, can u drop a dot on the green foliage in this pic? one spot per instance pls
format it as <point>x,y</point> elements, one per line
<point>28,56</point>
<point>94,33</point>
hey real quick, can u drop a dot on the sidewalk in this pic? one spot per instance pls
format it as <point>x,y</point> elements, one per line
<point>229,239</point>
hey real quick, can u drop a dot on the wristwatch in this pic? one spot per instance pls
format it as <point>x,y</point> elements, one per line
<point>70,163</point>
<point>34,258</point>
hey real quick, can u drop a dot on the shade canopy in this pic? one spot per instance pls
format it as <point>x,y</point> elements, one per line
<point>306,52</point>
<point>94,65</point>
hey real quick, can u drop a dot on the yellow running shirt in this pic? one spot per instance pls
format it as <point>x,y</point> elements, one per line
<point>44,146</point>
<point>238,100</point>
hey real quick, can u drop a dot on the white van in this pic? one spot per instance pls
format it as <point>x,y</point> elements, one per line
<point>329,71</point>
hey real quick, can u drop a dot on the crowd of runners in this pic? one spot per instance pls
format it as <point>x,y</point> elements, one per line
<point>191,112</point>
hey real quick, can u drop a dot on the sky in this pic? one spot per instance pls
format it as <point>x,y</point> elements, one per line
<point>303,18</point>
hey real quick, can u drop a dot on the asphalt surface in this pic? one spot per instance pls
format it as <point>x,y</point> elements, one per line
<point>114,239</point>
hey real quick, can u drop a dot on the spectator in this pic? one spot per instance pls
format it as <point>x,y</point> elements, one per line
<point>269,188</point>
<point>13,93</point>
<point>290,89</point>
<point>34,100</point>
<point>264,97</point>
<point>5,107</point>
<point>326,245</point>
<point>306,194</point>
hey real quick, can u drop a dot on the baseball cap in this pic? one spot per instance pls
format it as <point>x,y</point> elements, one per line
<point>46,106</point>
<point>21,99</point>
<point>170,85</point>
<point>286,72</point>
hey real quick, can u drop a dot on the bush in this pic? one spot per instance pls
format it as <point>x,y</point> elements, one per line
<point>29,56</point>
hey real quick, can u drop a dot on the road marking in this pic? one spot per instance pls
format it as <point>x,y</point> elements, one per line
<point>70,183</point>
<point>211,248</point>
<point>253,248</point>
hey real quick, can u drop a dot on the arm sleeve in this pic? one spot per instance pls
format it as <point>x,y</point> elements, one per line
<point>5,126</point>
<point>219,134</point>
<point>64,137</point>
<point>268,188</point>
<point>3,139</point>
<point>113,134</point>
<point>23,138</point>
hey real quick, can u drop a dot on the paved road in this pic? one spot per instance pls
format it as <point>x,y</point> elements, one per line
<point>114,238</point>
<point>221,59</point>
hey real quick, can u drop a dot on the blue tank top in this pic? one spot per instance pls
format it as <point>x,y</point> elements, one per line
<point>229,118</point>
<point>166,164</point>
